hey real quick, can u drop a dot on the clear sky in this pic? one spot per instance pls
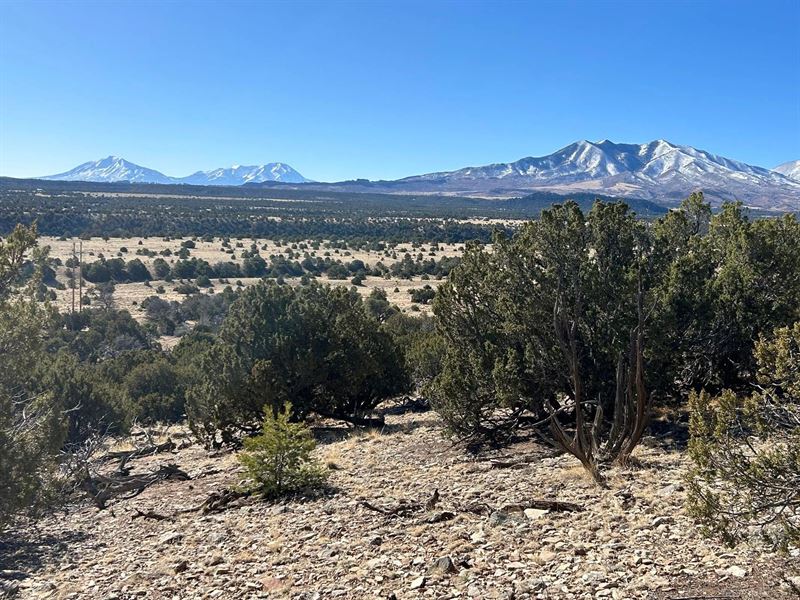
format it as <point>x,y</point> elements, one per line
<point>388,89</point>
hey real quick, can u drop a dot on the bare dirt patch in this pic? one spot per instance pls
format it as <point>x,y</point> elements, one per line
<point>633,540</point>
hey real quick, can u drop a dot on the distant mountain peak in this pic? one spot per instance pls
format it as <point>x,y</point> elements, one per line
<point>658,170</point>
<point>241,174</point>
<point>789,169</point>
<point>115,168</point>
<point>111,169</point>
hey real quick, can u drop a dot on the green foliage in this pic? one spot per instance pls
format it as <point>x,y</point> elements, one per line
<point>423,295</point>
<point>421,346</point>
<point>746,452</point>
<point>474,393</point>
<point>338,271</point>
<point>314,346</point>
<point>161,268</point>
<point>496,316</point>
<point>377,305</point>
<point>31,428</point>
<point>12,256</point>
<point>90,406</point>
<point>155,391</point>
<point>137,271</point>
<point>95,335</point>
<point>278,461</point>
<point>778,361</point>
<point>724,282</point>
<point>555,318</point>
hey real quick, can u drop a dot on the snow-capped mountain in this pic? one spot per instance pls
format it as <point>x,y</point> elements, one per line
<point>658,170</point>
<point>790,169</point>
<point>238,175</point>
<point>110,169</point>
<point>114,168</point>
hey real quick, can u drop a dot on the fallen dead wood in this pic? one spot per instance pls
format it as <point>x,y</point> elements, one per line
<point>402,509</point>
<point>217,501</point>
<point>149,514</point>
<point>405,508</point>
<point>516,463</point>
<point>357,420</point>
<point>704,597</point>
<point>551,505</point>
<point>476,508</point>
<point>126,455</point>
<point>103,488</point>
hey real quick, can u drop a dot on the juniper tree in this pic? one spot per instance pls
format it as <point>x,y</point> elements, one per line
<point>30,423</point>
<point>551,323</point>
<point>746,450</point>
<point>314,346</point>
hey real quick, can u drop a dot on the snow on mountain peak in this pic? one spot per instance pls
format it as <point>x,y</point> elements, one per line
<point>114,168</point>
<point>659,170</point>
<point>790,169</point>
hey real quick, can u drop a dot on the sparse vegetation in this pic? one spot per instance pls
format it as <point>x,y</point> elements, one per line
<point>571,328</point>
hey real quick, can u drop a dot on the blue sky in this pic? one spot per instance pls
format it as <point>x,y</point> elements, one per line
<point>384,90</point>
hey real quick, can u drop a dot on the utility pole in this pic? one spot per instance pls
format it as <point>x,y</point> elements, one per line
<point>72,283</point>
<point>80,277</point>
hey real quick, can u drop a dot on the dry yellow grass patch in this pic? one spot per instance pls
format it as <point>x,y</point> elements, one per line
<point>129,296</point>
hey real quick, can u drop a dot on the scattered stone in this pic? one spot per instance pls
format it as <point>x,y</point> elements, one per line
<point>323,545</point>
<point>171,537</point>
<point>736,571</point>
<point>533,514</point>
<point>791,584</point>
<point>272,584</point>
<point>440,517</point>
<point>215,559</point>
<point>181,567</point>
<point>669,490</point>
<point>498,517</point>
<point>546,556</point>
<point>443,565</point>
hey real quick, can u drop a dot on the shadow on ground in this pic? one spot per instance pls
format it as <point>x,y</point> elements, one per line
<point>25,553</point>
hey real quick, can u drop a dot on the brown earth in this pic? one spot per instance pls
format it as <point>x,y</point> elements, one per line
<point>633,540</point>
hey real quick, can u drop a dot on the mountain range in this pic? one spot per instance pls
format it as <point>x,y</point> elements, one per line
<point>113,169</point>
<point>790,169</point>
<point>659,171</point>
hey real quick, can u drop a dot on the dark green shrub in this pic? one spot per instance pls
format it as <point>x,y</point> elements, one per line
<point>746,450</point>
<point>314,346</point>
<point>423,295</point>
<point>337,271</point>
<point>31,423</point>
<point>547,323</point>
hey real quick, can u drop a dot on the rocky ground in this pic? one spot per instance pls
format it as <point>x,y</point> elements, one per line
<point>483,538</point>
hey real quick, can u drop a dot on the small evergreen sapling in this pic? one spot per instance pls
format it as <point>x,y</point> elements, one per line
<point>279,461</point>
